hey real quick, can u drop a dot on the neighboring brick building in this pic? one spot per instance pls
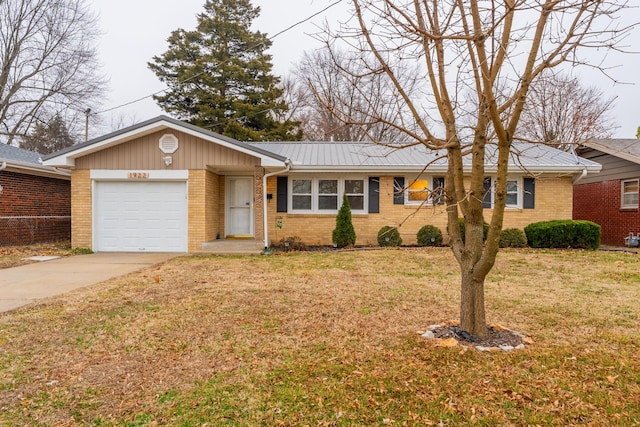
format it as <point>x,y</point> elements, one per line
<point>166,185</point>
<point>610,198</point>
<point>35,200</point>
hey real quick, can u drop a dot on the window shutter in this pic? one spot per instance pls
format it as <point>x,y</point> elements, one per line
<point>281,194</point>
<point>486,199</point>
<point>398,190</point>
<point>374,194</point>
<point>438,186</point>
<point>529,197</point>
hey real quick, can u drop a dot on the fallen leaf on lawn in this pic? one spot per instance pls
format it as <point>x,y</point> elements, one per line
<point>612,379</point>
<point>449,342</point>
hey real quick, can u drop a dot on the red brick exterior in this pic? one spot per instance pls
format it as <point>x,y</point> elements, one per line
<point>34,209</point>
<point>600,202</point>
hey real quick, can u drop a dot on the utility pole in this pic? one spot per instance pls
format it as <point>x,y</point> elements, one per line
<point>86,124</point>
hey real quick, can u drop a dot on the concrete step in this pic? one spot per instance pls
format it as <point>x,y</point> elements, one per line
<point>233,247</point>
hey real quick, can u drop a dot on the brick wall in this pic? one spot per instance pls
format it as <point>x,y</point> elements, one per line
<point>553,200</point>
<point>81,209</point>
<point>600,202</point>
<point>34,209</point>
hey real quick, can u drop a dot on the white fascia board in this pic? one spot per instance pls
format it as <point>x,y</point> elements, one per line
<point>35,169</point>
<point>264,160</point>
<point>389,170</point>
<point>138,175</point>
<point>68,159</point>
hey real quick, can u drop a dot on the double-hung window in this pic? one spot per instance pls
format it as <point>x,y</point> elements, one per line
<point>354,189</point>
<point>629,194</point>
<point>424,191</point>
<point>514,196</point>
<point>301,194</point>
<point>324,195</point>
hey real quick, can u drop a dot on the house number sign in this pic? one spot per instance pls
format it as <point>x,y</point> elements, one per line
<point>138,175</point>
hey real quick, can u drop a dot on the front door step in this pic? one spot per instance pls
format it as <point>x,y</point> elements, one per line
<point>233,247</point>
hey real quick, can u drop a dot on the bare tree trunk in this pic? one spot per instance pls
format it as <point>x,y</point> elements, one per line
<point>472,311</point>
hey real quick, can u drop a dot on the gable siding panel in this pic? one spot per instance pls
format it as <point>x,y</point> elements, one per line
<point>144,153</point>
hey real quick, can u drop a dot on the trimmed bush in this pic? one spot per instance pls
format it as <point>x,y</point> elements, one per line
<point>429,235</point>
<point>512,238</point>
<point>344,234</point>
<point>389,236</point>
<point>485,229</point>
<point>293,243</point>
<point>577,234</point>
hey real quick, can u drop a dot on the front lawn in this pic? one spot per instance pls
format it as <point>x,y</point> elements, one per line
<point>323,339</point>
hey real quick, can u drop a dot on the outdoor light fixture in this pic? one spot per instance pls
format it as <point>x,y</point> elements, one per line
<point>168,160</point>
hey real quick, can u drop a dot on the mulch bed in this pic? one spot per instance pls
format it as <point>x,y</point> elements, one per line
<point>496,336</point>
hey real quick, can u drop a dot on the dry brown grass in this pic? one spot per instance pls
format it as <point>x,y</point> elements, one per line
<point>328,339</point>
<point>14,256</point>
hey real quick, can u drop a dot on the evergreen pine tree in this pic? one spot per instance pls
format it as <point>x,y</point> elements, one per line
<point>344,234</point>
<point>219,76</point>
<point>48,137</point>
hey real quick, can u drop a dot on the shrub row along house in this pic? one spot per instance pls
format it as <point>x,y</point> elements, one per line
<point>165,185</point>
<point>35,199</point>
<point>610,198</point>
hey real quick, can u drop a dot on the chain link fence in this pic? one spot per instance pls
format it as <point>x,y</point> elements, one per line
<point>26,230</point>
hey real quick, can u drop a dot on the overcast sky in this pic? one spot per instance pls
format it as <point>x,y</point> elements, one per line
<point>136,30</point>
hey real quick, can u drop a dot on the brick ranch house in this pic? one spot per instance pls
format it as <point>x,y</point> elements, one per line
<point>35,200</point>
<point>165,185</point>
<point>611,197</point>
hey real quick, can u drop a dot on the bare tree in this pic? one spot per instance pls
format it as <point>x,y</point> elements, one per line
<point>342,101</point>
<point>561,112</point>
<point>479,60</point>
<point>48,62</point>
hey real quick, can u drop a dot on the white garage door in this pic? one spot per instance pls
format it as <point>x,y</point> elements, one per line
<point>148,216</point>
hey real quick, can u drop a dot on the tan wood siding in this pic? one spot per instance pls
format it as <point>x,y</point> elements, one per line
<point>144,153</point>
<point>613,168</point>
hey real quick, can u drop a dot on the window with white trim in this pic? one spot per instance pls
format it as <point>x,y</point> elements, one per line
<point>630,193</point>
<point>324,195</point>
<point>423,191</point>
<point>515,191</point>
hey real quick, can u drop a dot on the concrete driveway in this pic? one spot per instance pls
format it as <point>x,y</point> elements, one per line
<point>22,285</point>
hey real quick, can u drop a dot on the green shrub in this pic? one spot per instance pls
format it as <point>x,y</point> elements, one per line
<point>563,234</point>
<point>344,234</point>
<point>81,251</point>
<point>429,235</point>
<point>512,238</point>
<point>485,229</point>
<point>293,243</point>
<point>389,236</point>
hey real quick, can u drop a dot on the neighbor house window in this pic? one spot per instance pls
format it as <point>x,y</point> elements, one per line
<point>630,193</point>
<point>324,195</point>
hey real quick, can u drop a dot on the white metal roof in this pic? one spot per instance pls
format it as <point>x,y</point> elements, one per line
<point>360,156</point>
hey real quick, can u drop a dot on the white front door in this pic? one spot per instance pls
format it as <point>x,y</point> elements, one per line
<point>239,206</point>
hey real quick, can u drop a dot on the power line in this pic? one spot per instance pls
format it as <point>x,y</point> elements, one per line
<point>291,27</point>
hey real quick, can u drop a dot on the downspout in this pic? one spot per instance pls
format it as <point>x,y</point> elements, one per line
<point>584,169</point>
<point>287,164</point>
<point>3,166</point>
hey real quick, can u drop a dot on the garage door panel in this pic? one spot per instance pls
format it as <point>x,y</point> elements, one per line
<point>148,216</point>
